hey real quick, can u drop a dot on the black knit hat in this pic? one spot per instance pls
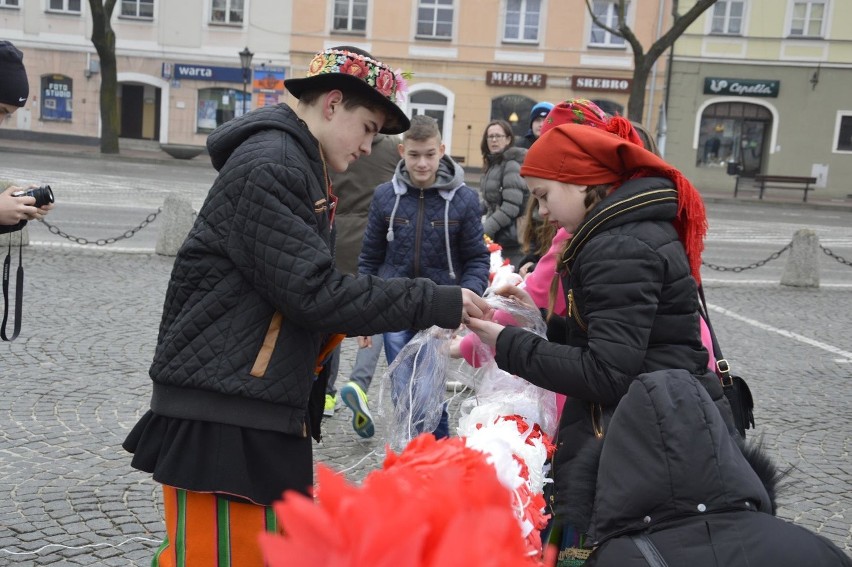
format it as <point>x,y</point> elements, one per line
<point>350,68</point>
<point>14,87</point>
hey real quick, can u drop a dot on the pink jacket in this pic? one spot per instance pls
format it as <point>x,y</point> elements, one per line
<point>537,283</point>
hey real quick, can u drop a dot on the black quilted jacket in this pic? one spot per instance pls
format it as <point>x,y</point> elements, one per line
<point>633,308</point>
<point>254,292</point>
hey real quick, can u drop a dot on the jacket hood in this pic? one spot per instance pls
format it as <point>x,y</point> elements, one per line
<point>222,142</point>
<point>668,454</point>
<point>511,153</point>
<point>449,178</point>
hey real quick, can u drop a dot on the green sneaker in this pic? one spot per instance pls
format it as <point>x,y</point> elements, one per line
<point>330,402</point>
<point>356,400</point>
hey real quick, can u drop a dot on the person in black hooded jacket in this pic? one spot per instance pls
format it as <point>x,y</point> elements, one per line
<point>255,305</point>
<point>668,476</point>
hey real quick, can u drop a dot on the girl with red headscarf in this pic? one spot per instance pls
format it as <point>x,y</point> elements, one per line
<point>630,273</point>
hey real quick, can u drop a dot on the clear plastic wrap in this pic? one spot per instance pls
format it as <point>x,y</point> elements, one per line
<point>417,381</point>
<point>417,378</point>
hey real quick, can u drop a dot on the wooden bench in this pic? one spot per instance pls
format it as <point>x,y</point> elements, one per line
<point>780,182</point>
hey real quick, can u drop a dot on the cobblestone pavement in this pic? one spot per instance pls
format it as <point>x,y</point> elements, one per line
<point>76,381</point>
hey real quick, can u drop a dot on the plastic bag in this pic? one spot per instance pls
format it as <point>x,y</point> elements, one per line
<point>417,381</point>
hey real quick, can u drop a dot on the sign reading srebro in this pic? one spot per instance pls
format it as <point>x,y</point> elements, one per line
<point>741,87</point>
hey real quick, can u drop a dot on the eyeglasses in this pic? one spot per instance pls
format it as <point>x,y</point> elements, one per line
<point>495,137</point>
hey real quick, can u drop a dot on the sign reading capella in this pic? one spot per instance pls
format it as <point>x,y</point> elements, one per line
<point>510,79</point>
<point>606,84</point>
<point>741,87</point>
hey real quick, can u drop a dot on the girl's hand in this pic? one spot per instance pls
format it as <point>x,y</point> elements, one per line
<point>516,293</point>
<point>365,342</point>
<point>487,331</point>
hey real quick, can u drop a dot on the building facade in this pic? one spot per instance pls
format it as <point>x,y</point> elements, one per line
<point>763,86</point>
<point>180,74</point>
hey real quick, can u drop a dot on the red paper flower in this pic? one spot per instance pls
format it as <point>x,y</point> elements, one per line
<point>439,503</point>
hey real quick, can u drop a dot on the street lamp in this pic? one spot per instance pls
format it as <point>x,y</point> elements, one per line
<point>245,63</point>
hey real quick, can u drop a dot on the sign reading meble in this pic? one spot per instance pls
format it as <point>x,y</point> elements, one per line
<point>510,79</point>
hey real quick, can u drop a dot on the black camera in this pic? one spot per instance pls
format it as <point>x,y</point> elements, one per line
<point>43,195</point>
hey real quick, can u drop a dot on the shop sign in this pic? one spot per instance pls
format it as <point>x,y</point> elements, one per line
<point>56,95</point>
<point>511,79</point>
<point>268,85</point>
<point>205,73</point>
<point>741,87</point>
<point>602,84</point>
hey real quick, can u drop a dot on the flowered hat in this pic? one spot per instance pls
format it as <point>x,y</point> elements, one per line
<point>352,69</point>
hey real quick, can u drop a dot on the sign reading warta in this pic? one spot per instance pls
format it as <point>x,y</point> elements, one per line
<point>510,79</point>
<point>607,84</point>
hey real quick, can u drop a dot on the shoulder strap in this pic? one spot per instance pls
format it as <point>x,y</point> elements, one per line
<point>722,366</point>
<point>19,288</point>
<point>649,550</point>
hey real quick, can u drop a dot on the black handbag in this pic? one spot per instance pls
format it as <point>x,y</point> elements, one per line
<point>736,390</point>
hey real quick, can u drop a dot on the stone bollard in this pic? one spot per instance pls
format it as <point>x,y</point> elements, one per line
<point>802,269</point>
<point>177,219</point>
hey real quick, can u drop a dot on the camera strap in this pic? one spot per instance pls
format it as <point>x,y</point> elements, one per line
<point>19,289</point>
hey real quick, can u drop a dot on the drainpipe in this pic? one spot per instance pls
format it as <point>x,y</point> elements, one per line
<point>654,69</point>
<point>661,138</point>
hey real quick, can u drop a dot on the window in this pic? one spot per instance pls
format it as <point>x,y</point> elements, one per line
<point>70,6</point>
<point>435,19</point>
<point>522,17</point>
<point>843,132</point>
<point>807,18</point>
<point>727,17</point>
<point>350,16</point>
<point>733,132</point>
<point>10,3</point>
<point>606,11</point>
<point>227,12</point>
<point>143,9</point>
<point>217,106</point>
<point>430,103</point>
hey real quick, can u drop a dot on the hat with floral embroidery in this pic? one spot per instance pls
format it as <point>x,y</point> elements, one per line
<point>354,70</point>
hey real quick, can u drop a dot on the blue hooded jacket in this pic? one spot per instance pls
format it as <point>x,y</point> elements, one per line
<point>433,233</point>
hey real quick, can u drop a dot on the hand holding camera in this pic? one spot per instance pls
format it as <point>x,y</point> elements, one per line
<point>18,204</point>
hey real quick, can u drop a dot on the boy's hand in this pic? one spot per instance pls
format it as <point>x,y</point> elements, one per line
<point>365,342</point>
<point>473,306</point>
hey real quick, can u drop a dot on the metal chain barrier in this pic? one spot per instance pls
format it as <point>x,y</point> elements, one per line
<point>102,241</point>
<point>831,254</point>
<point>752,266</point>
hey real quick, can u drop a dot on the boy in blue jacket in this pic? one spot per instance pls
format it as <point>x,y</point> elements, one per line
<point>425,223</point>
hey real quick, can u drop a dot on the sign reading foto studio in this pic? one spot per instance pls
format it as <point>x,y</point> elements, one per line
<point>741,87</point>
<point>510,79</point>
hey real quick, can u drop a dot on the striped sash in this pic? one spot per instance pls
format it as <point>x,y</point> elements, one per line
<point>206,530</point>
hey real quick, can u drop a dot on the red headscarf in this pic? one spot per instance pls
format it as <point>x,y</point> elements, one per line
<point>575,154</point>
<point>585,112</point>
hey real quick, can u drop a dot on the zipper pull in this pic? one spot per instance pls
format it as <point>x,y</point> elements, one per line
<point>570,302</point>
